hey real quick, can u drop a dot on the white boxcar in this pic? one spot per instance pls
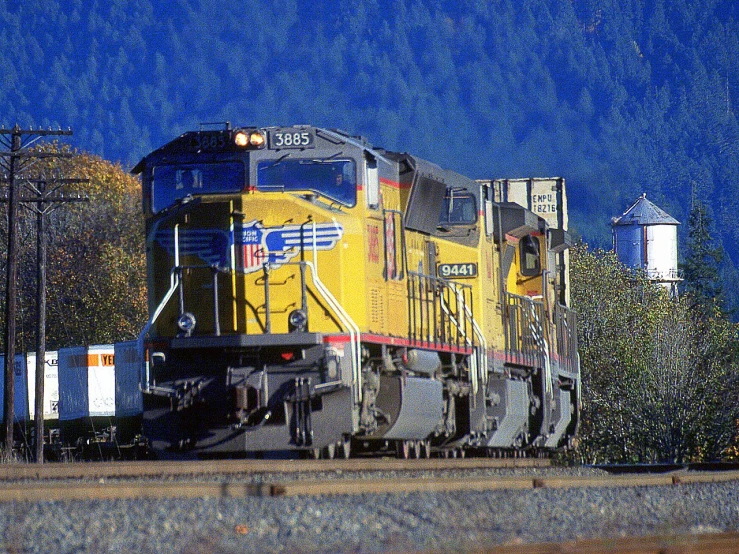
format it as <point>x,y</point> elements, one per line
<point>86,382</point>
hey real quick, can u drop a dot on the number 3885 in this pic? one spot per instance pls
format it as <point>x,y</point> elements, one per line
<point>293,139</point>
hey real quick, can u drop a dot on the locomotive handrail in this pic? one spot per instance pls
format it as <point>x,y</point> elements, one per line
<point>483,342</point>
<point>425,295</point>
<point>477,332</point>
<point>346,320</point>
<point>566,323</point>
<point>541,341</point>
<point>174,283</point>
<point>463,333</point>
<point>519,337</point>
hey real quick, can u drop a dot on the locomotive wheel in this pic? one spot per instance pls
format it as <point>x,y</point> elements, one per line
<point>345,448</point>
<point>403,449</point>
<point>417,449</point>
<point>330,451</point>
<point>427,449</point>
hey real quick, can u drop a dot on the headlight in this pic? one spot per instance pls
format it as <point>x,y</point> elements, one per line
<point>245,138</point>
<point>186,322</point>
<point>256,139</point>
<point>241,138</point>
<point>298,320</point>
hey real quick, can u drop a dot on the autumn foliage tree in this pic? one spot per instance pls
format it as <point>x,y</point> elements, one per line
<point>660,375</point>
<point>615,317</point>
<point>96,290</point>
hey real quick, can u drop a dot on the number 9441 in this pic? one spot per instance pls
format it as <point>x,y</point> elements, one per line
<point>457,271</point>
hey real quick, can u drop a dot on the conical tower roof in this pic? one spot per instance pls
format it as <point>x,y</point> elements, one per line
<point>643,212</point>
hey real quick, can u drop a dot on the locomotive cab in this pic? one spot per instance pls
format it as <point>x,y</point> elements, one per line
<point>252,242</point>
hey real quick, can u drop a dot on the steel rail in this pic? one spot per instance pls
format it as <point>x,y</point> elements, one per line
<point>708,543</point>
<point>151,488</point>
<point>393,485</point>
<point>98,470</point>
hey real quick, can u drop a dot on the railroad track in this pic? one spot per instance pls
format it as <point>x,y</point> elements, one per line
<point>52,482</point>
<point>102,489</point>
<point>103,470</point>
<point>147,480</point>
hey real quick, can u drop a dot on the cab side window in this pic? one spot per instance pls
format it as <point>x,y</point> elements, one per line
<point>459,208</point>
<point>530,257</point>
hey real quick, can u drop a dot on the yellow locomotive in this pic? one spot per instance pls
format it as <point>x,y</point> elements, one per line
<point>313,293</point>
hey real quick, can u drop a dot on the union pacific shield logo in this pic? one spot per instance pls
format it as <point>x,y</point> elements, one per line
<point>258,245</point>
<point>251,244</point>
<point>212,246</point>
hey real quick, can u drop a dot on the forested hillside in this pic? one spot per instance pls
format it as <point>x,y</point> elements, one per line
<point>619,97</point>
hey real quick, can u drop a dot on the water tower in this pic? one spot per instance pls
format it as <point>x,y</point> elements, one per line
<point>645,237</point>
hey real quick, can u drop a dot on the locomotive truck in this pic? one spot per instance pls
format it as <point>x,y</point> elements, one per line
<point>313,293</point>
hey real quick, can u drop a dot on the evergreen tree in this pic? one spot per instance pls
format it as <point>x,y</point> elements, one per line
<point>702,260</point>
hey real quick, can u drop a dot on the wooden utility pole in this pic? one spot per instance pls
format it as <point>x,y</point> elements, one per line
<point>44,199</point>
<point>14,162</point>
<point>10,289</point>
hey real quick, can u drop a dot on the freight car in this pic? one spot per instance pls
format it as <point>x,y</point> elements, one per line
<point>100,404</point>
<point>310,292</point>
<point>25,404</point>
<point>92,403</point>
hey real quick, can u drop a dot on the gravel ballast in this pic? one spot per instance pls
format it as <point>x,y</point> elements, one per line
<point>434,522</point>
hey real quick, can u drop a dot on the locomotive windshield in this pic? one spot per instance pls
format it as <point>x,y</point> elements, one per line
<point>334,179</point>
<point>460,208</point>
<point>170,183</point>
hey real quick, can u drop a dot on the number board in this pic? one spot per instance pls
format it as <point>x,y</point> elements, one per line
<point>457,271</point>
<point>291,138</point>
<point>209,141</point>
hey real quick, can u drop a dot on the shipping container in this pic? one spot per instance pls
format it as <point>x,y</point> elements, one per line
<point>547,198</point>
<point>86,382</point>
